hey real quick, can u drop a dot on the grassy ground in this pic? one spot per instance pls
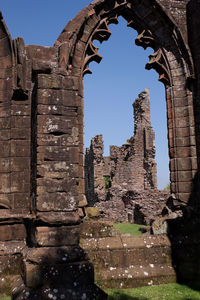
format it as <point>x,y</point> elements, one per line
<point>133,229</point>
<point>171,291</point>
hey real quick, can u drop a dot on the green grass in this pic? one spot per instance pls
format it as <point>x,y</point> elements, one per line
<point>133,229</point>
<point>171,291</point>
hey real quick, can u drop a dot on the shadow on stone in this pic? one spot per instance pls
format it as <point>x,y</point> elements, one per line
<point>184,235</point>
<point>56,271</point>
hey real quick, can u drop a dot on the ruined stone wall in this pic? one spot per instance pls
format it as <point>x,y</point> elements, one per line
<point>41,184</point>
<point>194,41</point>
<point>41,136</point>
<point>131,166</point>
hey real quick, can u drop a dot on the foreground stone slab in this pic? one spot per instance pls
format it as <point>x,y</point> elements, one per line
<point>125,262</point>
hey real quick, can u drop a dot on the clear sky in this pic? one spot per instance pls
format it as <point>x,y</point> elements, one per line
<point>115,83</point>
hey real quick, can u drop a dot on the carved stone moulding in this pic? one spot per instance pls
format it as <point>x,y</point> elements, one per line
<point>145,39</point>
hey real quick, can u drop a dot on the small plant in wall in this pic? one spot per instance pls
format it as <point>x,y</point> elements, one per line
<point>167,188</point>
<point>107,181</point>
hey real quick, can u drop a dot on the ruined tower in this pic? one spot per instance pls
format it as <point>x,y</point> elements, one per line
<point>131,166</point>
<point>144,139</point>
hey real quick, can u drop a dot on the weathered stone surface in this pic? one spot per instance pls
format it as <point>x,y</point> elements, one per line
<point>59,217</point>
<point>81,272</point>
<point>57,82</point>
<point>57,236</point>
<point>55,153</point>
<point>131,261</point>
<point>58,201</point>
<point>44,84</point>
<point>12,232</point>
<point>92,212</point>
<point>132,165</point>
<point>160,226</point>
<point>61,98</point>
<point>59,255</point>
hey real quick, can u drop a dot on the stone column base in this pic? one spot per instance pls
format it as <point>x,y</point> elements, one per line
<point>57,273</point>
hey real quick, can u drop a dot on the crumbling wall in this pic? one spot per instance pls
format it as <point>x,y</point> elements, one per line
<point>131,166</point>
<point>41,138</point>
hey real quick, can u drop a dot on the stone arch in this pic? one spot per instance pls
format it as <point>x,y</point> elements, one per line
<point>6,85</point>
<point>171,59</point>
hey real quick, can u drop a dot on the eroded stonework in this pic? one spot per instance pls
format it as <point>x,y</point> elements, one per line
<point>41,139</point>
<point>129,167</point>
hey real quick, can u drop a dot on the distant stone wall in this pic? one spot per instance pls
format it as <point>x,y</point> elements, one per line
<point>42,188</point>
<point>131,166</point>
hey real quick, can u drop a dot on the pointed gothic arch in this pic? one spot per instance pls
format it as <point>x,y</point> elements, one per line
<point>171,59</point>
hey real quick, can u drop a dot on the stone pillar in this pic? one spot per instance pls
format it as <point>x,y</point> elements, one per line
<point>15,162</point>
<point>193,19</point>
<point>182,143</point>
<point>144,139</point>
<point>55,266</point>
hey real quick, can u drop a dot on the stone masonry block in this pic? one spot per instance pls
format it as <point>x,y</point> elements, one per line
<point>41,255</point>
<point>57,236</point>
<point>20,181</point>
<point>5,84</point>
<point>59,218</point>
<point>57,82</point>
<point>5,135</point>
<point>5,110</point>
<point>53,185</point>
<point>183,152</point>
<point>41,53</point>
<point>12,232</point>
<point>57,139</point>
<point>20,122</point>
<point>6,200</point>
<point>54,168</point>
<point>4,183</point>
<point>186,164</point>
<point>65,98</point>
<point>180,102</point>
<point>185,187</point>
<point>32,275</point>
<point>64,50</point>
<point>5,123</point>
<point>56,110</point>
<point>184,141</point>
<point>66,274</point>
<point>22,201</point>
<point>58,201</point>
<point>183,132</point>
<point>185,176</point>
<point>5,73</point>
<point>21,134</point>
<point>59,153</point>
<point>6,62</point>
<point>48,124</point>
<point>21,110</point>
<point>110,243</point>
<point>20,163</point>
<point>184,196</point>
<point>20,148</point>
<point>5,149</point>
<point>184,122</point>
<point>4,165</point>
<point>183,111</point>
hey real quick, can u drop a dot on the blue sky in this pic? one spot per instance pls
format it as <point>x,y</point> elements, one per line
<point>115,83</point>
